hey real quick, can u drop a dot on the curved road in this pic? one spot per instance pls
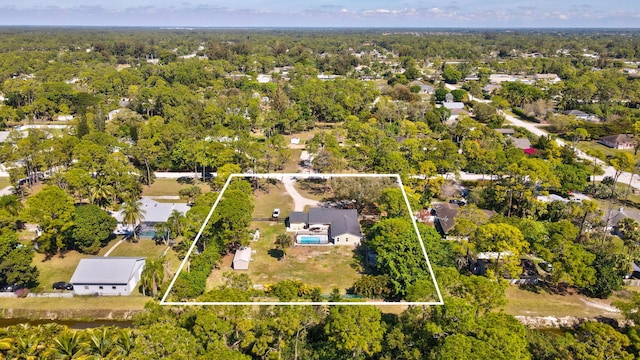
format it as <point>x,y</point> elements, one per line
<point>624,178</point>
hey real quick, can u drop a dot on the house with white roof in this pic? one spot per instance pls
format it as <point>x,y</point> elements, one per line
<point>109,276</point>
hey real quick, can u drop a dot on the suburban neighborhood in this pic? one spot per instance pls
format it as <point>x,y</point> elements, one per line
<point>226,192</point>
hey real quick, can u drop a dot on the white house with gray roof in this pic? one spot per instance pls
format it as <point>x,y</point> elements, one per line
<point>109,276</point>
<point>338,226</point>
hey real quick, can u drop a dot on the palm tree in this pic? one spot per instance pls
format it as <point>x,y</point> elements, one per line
<point>102,342</point>
<point>100,193</point>
<point>175,223</point>
<point>124,342</point>
<point>283,241</point>
<point>132,215</point>
<point>153,275</point>
<point>68,345</point>
<point>10,207</point>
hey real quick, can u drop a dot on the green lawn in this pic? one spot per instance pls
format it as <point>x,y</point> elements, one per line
<point>276,197</point>
<point>593,145</point>
<point>324,266</point>
<point>168,187</point>
<point>57,268</point>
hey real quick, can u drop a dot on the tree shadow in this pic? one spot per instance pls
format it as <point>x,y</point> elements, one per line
<point>186,180</point>
<point>314,186</point>
<point>276,253</point>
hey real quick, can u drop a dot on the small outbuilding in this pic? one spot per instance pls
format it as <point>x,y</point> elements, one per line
<point>118,275</point>
<point>242,258</point>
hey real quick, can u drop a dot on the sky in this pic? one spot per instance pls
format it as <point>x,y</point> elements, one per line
<point>325,13</point>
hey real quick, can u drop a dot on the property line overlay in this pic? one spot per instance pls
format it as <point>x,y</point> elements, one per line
<point>280,176</point>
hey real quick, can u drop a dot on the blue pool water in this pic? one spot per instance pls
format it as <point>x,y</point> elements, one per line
<point>311,239</point>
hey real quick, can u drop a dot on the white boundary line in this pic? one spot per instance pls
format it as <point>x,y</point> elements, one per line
<point>279,176</point>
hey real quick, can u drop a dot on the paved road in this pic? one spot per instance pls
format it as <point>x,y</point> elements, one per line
<point>535,129</point>
<point>6,191</point>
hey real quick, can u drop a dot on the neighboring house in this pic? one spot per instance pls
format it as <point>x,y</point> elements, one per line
<point>242,258</point>
<point>263,78</point>
<point>64,117</point>
<point>453,105</point>
<point>622,141</point>
<point>584,116</point>
<point>506,132</point>
<point>320,226</point>
<point>613,218</point>
<point>424,88</point>
<point>107,275</point>
<point>499,78</point>
<point>551,198</point>
<point>550,78</point>
<point>154,213</point>
<point>112,114</point>
<point>521,143</point>
<point>445,215</point>
<point>491,88</point>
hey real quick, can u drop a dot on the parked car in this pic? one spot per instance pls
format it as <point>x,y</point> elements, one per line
<point>276,213</point>
<point>12,287</point>
<point>62,285</point>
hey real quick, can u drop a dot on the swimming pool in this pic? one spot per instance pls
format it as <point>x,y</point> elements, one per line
<point>312,239</point>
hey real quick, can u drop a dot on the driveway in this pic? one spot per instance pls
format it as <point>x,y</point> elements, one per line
<point>299,201</point>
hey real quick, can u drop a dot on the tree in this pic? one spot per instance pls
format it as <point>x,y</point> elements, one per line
<point>344,329</point>
<point>132,215</point>
<point>153,275</point>
<point>15,262</point>
<point>621,162</point>
<point>399,254</point>
<point>507,241</point>
<point>52,209</point>
<point>92,228</point>
<point>393,204</point>
<point>450,74</point>
<point>10,208</point>
<point>283,241</point>
<point>600,341</point>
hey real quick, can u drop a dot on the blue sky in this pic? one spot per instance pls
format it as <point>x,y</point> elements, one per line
<point>324,13</point>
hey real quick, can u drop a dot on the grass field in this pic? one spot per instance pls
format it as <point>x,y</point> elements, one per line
<point>292,164</point>
<point>325,266</point>
<point>57,268</point>
<point>79,307</point>
<point>527,303</point>
<point>4,182</point>
<point>167,187</point>
<point>608,152</point>
<point>277,197</point>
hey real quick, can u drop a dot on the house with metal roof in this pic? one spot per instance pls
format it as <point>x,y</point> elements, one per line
<point>109,276</point>
<point>321,226</point>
